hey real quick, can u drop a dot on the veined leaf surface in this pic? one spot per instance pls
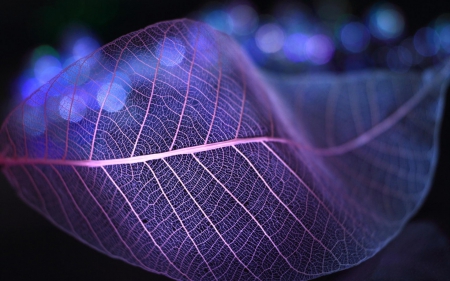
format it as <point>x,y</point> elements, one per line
<point>167,149</point>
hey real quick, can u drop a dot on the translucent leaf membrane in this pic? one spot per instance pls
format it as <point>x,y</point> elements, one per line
<point>166,149</point>
<point>375,134</point>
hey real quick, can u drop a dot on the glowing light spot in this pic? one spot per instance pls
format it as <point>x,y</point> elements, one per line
<point>68,61</point>
<point>122,79</point>
<point>219,20</point>
<point>112,97</point>
<point>33,120</point>
<point>355,37</point>
<point>445,38</point>
<point>207,49</point>
<point>43,50</point>
<point>46,67</point>
<point>84,46</point>
<point>119,78</point>
<point>243,19</point>
<point>141,68</point>
<point>77,74</point>
<point>294,47</point>
<point>89,94</point>
<point>72,109</point>
<point>171,51</point>
<point>319,49</point>
<point>386,22</point>
<point>37,98</point>
<point>269,38</point>
<point>427,42</point>
<point>28,86</point>
<point>52,109</point>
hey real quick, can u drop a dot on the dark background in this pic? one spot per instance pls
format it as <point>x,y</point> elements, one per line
<point>30,247</point>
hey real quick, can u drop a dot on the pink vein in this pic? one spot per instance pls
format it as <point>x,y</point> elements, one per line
<point>385,124</point>
<point>250,214</point>
<point>206,216</point>
<point>217,97</point>
<point>151,96</point>
<point>312,192</point>
<point>244,95</point>
<point>329,151</point>
<point>186,97</point>
<point>108,218</point>
<point>79,210</point>
<point>142,224</point>
<point>61,205</point>
<point>284,205</point>
<point>36,189</point>
<point>142,158</point>
<point>179,219</point>
<point>107,94</point>
<point>70,113</point>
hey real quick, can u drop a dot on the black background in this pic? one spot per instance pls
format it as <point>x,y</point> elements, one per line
<point>30,247</point>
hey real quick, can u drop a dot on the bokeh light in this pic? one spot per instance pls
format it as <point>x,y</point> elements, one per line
<point>170,51</point>
<point>444,36</point>
<point>46,67</point>
<point>294,47</point>
<point>294,37</point>
<point>46,63</point>
<point>33,120</point>
<point>72,108</point>
<point>270,38</point>
<point>427,42</point>
<point>319,49</point>
<point>218,19</point>
<point>38,98</point>
<point>78,74</point>
<point>111,97</point>
<point>297,37</point>
<point>84,46</point>
<point>28,86</point>
<point>243,19</point>
<point>386,22</point>
<point>77,42</point>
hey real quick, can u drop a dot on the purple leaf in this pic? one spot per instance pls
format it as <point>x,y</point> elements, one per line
<point>167,149</point>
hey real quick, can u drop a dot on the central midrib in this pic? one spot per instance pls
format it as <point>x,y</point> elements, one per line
<point>142,158</point>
